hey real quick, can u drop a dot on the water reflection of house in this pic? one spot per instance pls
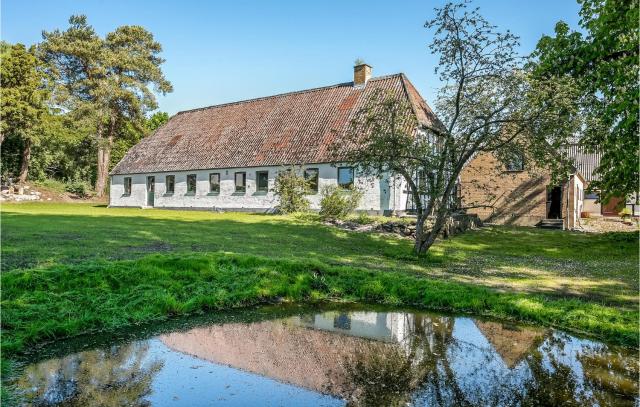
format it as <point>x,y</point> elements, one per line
<point>511,343</point>
<point>380,326</point>
<point>307,351</point>
<point>277,349</point>
<point>310,350</point>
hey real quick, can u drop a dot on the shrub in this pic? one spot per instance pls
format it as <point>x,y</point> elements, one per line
<point>364,219</point>
<point>338,203</point>
<point>291,188</point>
<point>625,213</point>
<point>78,187</point>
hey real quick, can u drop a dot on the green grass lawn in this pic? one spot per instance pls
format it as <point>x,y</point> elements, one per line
<point>75,268</point>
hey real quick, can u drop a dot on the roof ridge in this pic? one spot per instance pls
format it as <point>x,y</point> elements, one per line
<point>277,95</point>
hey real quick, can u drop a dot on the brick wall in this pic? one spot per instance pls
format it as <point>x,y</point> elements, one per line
<point>507,197</point>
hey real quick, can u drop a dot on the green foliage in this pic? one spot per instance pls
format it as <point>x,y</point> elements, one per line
<point>363,219</point>
<point>338,203</point>
<point>157,120</point>
<point>22,105</point>
<point>291,189</point>
<point>483,107</point>
<point>105,79</point>
<point>604,63</point>
<point>625,213</point>
<point>78,187</point>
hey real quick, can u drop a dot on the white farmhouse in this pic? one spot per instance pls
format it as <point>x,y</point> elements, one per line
<point>227,156</point>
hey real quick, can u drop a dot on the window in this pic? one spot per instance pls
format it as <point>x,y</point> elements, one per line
<point>127,185</point>
<point>191,184</point>
<point>262,181</point>
<point>591,195</point>
<point>241,181</point>
<point>345,177</point>
<point>214,182</point>
<point>515,162</point>
<point>170,183</point>
<point>311,175</point>
<point>342,321</point>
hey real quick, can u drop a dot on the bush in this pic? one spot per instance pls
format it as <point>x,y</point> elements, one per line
<point>338,203</point>
<point>625,213</point>
<point>291,188</point>
<point>364,219</point>
<point>78,187</point>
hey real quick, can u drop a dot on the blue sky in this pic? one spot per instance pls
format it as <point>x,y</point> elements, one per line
<point>219,52</point>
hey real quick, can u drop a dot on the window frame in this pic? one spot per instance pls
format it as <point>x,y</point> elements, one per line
<point>244,182</point>
<point>509,161</point>
<point>195,184</point>
<point>258,187</point>
<point>173,184</point>
<point>211,189</point>
<point>127,183</point>
<point>313,190</point>
<point>353,177</point>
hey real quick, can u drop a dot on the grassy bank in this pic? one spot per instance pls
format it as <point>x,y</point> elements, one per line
<point>41,305</point>
<point>74,268</point>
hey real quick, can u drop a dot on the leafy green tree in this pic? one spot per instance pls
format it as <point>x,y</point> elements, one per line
<point>156,120</point>
<point>604,62</point>
<point>489,104</point>
<point>107,79</point>
<point>22,103</point>
<point>291,189</point>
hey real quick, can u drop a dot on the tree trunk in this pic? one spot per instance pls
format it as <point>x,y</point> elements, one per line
<point>419,233</point>
<point>104,158</point>
<point>441,216</point>
<point>26,158</point>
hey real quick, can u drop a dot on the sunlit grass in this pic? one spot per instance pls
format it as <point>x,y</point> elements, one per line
<point>72,268</point>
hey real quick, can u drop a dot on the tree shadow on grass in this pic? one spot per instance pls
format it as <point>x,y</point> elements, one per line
<point>490,254</point>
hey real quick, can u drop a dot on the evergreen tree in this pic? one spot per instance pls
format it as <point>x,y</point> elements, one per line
<point>107,79</point>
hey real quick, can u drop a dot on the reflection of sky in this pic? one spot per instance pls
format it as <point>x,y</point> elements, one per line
<point>187,381</point>
<point>566,354</point>
<point>476,368</point>
<point>479,370</point>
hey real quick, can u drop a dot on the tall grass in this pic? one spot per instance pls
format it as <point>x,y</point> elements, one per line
<point>40,305</point>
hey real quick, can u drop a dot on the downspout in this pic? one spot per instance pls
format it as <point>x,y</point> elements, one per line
<point>393,202</point>
<point>567,209</point>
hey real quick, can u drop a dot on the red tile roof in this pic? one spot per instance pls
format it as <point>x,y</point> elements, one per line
<point>292,128</point>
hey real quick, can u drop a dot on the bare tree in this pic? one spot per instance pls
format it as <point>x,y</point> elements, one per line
<point>487,103</point>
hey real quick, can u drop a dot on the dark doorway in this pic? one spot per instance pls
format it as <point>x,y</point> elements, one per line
<point>554,203</point>
<point>151,181</point>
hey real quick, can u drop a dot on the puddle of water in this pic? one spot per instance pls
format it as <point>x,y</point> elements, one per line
<point>335,357</point>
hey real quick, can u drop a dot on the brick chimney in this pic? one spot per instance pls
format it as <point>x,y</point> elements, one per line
<point>361,74</point>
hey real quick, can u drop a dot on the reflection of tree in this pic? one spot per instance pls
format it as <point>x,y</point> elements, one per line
<point>610,373</point>
<point>420,369</point>
<point>608,379</point>
<point>117,376</point>
<point>388,374</point>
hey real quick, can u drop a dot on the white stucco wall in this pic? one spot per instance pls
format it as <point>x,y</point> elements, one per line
<point>379,193</point>
<point>577,203</point>
<point>592,206</point>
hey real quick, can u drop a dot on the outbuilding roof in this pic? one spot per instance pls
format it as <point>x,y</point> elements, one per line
<point>287,129</point>
<point>585,161</point>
